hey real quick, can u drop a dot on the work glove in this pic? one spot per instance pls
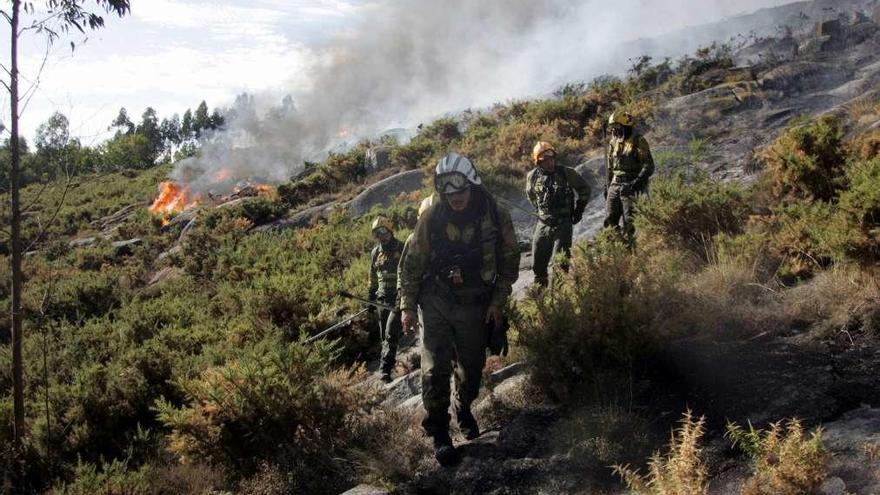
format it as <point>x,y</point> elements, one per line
<point>640,182</point>
<point>498,344</point>
<point>578,213</point>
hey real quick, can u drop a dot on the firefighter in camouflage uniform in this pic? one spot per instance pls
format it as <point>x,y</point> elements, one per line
<point>560,195</point>
<point>629,168</point>
<point>383,289</point>
<point>458,274</point>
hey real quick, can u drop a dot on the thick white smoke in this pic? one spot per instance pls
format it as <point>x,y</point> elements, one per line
<point>408,61</point>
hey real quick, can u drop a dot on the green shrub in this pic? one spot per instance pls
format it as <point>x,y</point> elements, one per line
<point>593,324</point>
<point>687,215</point>
<point>860,204</point>
<point>276,402</point>
<point>113,478</point>
<point>801,237</point>
<point>807,161</point>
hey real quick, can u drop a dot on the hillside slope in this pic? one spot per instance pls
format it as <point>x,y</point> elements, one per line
<point>168,354</point>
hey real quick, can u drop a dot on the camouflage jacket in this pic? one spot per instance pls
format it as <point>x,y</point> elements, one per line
<point>486,237</point>
<point>553,195</point>
<point>383,269</point>
<point>629,159</point>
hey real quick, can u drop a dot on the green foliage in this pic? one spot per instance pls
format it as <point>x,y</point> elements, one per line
<point>113,478</point>
<point>128,151</point>
<point>860,206</point>
<point>329,177</point>
<point>807,161</point>
<point>593,324</point>
<point>801,236</point>
<point>687,215</point>
<point>237,413</point>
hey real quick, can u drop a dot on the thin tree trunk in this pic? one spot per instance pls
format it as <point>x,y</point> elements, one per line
<point>17,279</point>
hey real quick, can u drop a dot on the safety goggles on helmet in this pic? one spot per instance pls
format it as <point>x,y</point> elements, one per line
<point>451,183</point>
<point>547,156</point>
<point>381,232</point>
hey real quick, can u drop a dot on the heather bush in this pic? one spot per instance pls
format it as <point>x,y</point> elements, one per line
<point>801,237</point>
<point>274,402</point>
<point>860,207</point>
<point>594,323</point>
<point>807,161</point>
<point>686,215</point>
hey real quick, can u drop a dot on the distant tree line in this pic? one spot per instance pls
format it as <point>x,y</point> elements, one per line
<point>55,154</point>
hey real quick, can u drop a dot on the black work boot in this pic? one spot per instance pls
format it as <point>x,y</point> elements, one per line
<point>436,425</point>
<point>467,424</point>
<point>444,451</point>
<point>385,377</point>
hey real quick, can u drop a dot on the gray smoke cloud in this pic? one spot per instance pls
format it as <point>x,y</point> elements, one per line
<point>409,61</point>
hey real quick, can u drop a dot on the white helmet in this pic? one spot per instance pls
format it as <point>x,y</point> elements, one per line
<point>455,173</point>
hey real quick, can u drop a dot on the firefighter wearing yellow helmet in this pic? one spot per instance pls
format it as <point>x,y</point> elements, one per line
<point>384,259</point>
<point>629,168</point>
<point>391,342</point>
<point>560,195</point>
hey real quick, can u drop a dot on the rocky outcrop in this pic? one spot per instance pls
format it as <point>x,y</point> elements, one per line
<point>385,191</point>
<point>300,219</point>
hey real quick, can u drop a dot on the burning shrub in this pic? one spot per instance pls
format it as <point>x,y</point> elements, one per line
<point>276,402</point>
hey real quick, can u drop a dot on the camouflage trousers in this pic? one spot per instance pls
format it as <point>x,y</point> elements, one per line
<point>620,206</point>
<point>390,329</point>
<point>546,242</point>
<point>454,339</point>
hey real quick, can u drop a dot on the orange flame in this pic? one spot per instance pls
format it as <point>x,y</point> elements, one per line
<point>222,175</point>
<point>172,199</point>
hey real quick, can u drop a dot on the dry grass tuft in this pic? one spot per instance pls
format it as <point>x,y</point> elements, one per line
<point>872,451</point>
<point>390,447</point>
<point>785,459</point>
<point>841,300</point>
<point>678,472</point>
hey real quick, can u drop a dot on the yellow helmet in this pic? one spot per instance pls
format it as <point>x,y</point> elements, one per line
<point>622,118</point>
<point>382,223</point>
<point>426,203</point>
<point>540,148</point>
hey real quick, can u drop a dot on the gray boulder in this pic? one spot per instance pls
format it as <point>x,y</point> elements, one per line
<point>125,248</point>
<point>82,242</point>
<point>403,388</point>
<point>366,490</point>
<point>300,219</point>
<point>383,192</point>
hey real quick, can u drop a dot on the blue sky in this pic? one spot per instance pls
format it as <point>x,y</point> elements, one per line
<point>171,54</point>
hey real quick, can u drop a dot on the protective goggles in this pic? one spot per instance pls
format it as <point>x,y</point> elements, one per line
<point>381,232</point>
<point>547,156</point>
<point>451,183</point>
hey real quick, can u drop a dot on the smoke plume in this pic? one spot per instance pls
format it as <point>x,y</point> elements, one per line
<point>408,61</point>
